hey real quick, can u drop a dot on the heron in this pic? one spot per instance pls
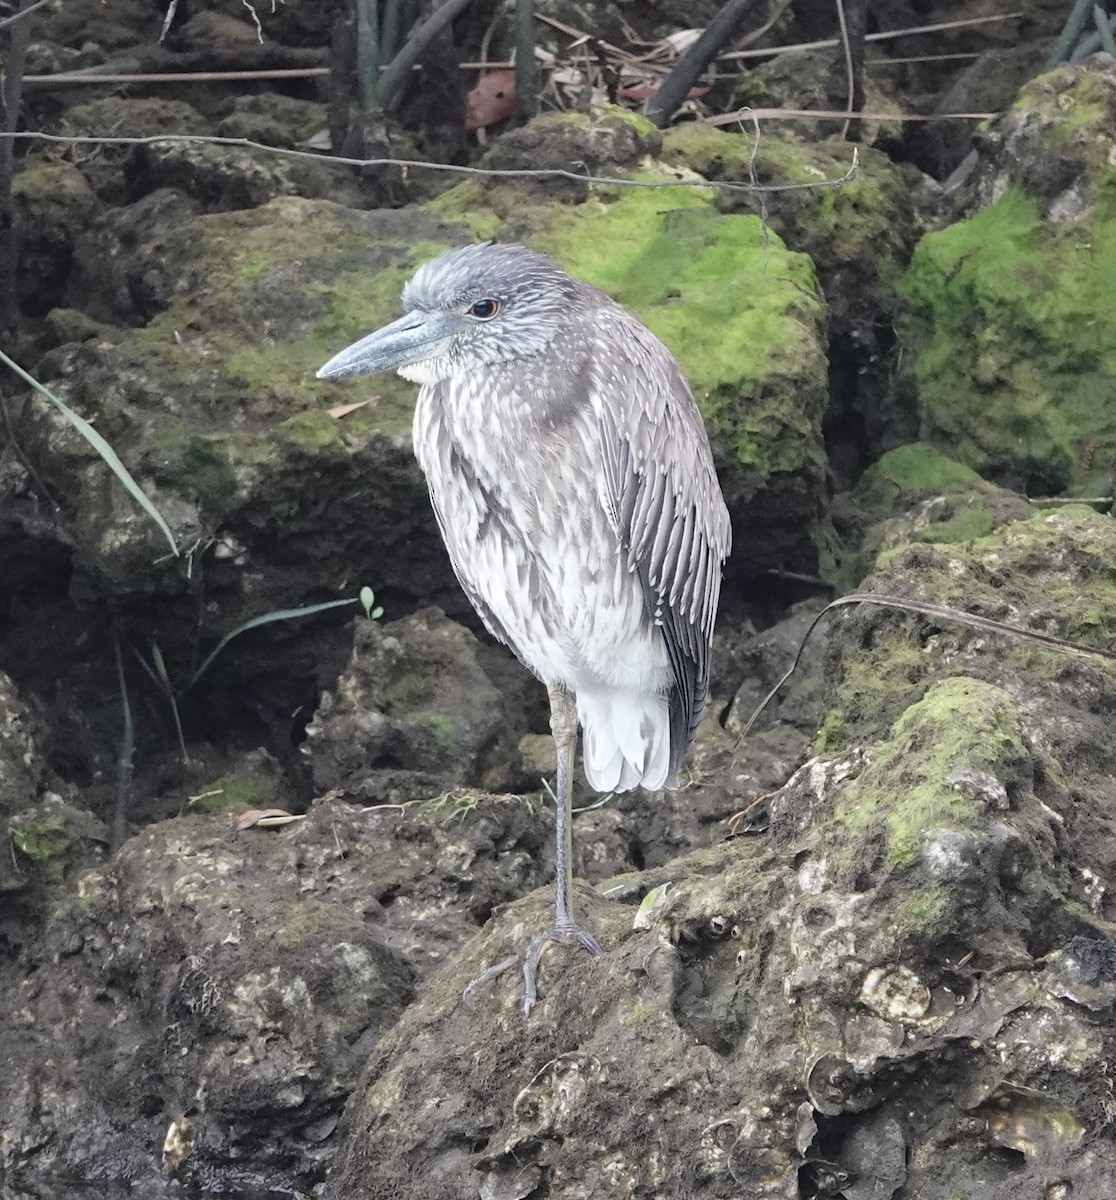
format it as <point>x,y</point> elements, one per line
<point>573,483</point>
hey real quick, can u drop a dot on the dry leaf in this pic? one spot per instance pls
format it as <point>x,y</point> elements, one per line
<point>342,410</point>
<point>492,100</point>
<point>264,817</point>
<point>641,92</point>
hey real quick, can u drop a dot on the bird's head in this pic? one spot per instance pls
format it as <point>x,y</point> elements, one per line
<point>474,307</point>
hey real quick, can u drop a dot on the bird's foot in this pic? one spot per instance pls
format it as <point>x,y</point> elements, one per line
<point>569,935</point>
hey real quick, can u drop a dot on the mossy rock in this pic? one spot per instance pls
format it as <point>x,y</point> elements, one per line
<point>818,80</point>
<point>273,119</point>
<point>213,405</point>
<point>1010,329</point>
<point>256,780</point>
<point>1054,574</point>
<point>866,220</point>
<point>49,839</point>
<point>916,779</point>
<point>859,229</point>
<point>913,494</point>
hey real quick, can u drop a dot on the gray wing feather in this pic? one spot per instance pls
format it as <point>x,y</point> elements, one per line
<point>661,493</point>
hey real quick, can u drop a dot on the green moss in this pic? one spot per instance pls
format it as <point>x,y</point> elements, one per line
<point>866,220</point>
<point>735,306</point>
<point>314,429</point>
<point>636,1013</point>
<point>442,728</point>
<point>466,204</point>
<point>874,687</point>
<point>959,723</point>
<point>703,148</point>
<point>42,182</point>
<point>42,838</point>
<point>923,907</point>
<point>1058,567</point>
<point>1011,343</point>
<point>917,467</point>
<point>968,520</point>
<point>1071,104</point>
<point>625,116</point>
<point>236,792</point>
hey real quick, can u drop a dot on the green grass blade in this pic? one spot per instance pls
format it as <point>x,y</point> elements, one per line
<point>102,447</point>
<point>278,614</point>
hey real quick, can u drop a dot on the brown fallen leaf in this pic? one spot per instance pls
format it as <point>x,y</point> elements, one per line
<point>342,410</point>
<point>492,100</point>
<point>265,818</point>
<point>644,91</point>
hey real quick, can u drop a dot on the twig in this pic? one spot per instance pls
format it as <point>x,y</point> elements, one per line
<point>883,36</point>
<point>826,114</point>
<point>74,79</point>
<point>23,12</point>
<point>391,82</point>
<point>569,31</point>
<point>672,91</point>
<point>454,168</point>
<point>850,86</point>
<point>927,609</point>
<point>919,58</point>
<point>168,20</point>
<point>1044,501</point>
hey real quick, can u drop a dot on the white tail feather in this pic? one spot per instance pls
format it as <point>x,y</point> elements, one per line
<point>626,739</point>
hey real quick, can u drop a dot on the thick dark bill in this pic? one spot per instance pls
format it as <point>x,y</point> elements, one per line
<point>409,340</point>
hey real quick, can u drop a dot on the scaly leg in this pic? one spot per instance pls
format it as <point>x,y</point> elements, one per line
<point>563,725</point>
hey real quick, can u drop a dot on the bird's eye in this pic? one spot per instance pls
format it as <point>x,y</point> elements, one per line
<point>485,310</point>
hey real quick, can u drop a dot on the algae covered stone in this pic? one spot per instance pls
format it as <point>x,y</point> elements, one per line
<point>1010,330</point>
<point>214,407</point>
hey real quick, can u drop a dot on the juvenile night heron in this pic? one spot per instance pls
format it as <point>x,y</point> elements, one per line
<point>572,480</point>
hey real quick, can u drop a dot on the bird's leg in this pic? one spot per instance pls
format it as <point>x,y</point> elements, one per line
<point>563,728</point>
<point>563,725</point>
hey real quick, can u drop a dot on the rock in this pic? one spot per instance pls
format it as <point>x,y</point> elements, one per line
<point>859,235</point>
<point>196,406</point>
<point>21,768</point>
<point>1008,332</point>
<point>818,80</point>
<point>54,206</point>
<point>881,950</point>
<point>238,980</point>
<point>987,84</point>
<point>50,835</point>
<point>414,714</point>
<point>601,143</point>
<point>108,172</point>
<point>274,120</point>
<point>913,494</point>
